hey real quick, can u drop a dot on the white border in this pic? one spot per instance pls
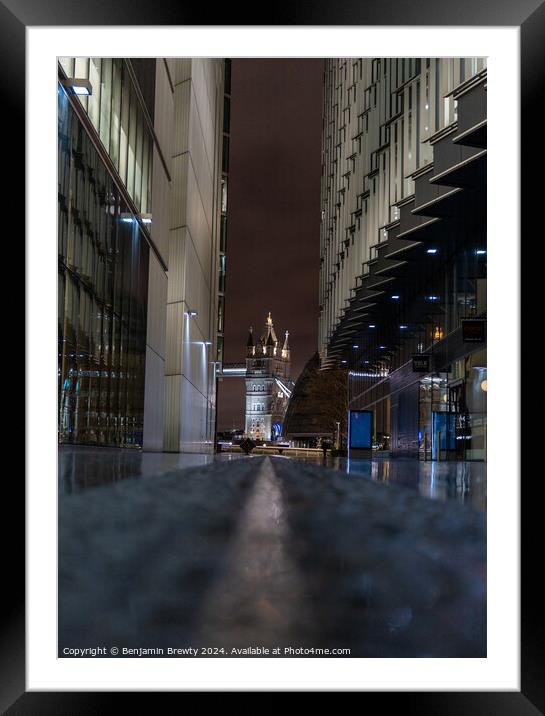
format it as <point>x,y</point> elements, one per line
<point>500,671</point>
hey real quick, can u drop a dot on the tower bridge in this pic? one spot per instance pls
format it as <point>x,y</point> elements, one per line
<point>268,383</point>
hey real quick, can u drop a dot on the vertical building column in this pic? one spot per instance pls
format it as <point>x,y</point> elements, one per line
<point>154,397</point>
<point>193,255</point>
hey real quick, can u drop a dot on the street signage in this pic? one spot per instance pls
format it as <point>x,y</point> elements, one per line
<point>360,428</point>
<point>422,363</point>
<point>473,330</point>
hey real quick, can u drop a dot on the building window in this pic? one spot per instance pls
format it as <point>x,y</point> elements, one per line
<point>103,285</point>
<point>119,120</point>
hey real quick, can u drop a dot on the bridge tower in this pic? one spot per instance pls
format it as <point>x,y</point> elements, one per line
<point>268,384</point>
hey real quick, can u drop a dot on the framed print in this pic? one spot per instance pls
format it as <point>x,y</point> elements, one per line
<point>268,173</point>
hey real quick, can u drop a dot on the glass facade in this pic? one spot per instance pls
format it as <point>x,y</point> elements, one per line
<point>117,114</point>
<point>103,270</point>
<point>451,402</point>
<point>404,247</point>
<point>379,117</point>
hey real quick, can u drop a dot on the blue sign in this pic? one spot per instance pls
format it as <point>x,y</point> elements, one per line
<point>360,426</point>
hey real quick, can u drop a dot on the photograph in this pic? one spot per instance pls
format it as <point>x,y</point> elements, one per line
<point>268,268</point>
<point>272,357</point>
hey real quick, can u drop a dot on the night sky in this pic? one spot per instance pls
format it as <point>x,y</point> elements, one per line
<point>273,240</point>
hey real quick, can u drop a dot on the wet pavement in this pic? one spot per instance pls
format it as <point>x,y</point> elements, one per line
<point>463,482</point>
<point>269,552</point>
<point>81,467</point>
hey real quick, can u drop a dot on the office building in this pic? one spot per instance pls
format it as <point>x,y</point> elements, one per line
<point>139,191</point>
<point>403,248</point>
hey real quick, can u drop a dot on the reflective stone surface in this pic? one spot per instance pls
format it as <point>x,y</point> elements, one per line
<point>463,482</point>
<point>81,467</point>
<point>271,553</point>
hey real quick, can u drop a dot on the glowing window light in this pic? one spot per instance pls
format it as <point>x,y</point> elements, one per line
<point>78,86</point>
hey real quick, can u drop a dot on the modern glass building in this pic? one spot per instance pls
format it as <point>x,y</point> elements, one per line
<point>403,249</point>
<point>139,196</point>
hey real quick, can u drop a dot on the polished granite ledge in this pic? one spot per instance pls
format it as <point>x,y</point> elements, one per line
<point>270,552</point>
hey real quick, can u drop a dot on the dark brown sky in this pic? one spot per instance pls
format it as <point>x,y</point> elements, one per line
<point>274,213</point>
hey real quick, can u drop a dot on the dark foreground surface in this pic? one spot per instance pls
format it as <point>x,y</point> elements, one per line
<point>261,554</point>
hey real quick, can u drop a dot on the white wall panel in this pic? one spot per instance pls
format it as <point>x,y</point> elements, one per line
<point>160,198</point>
<point>192,275</point>
<point>193,436</point>
<point>154,401</point>
<point>157,298</point>
<point>172,413</point>
<point>178,204</point>
<point>176,326</point>
<point>164,108</point>
<point>176,275</point>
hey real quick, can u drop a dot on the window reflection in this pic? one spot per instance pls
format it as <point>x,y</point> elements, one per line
<point>103,275</point>
<point>118,117</point>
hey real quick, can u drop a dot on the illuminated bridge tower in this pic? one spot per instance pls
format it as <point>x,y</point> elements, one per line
<point>268,383</point>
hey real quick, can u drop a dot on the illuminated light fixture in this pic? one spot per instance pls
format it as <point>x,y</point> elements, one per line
<point>145,218</point>
<point>437,333</point>
<point>343,361</point>
<point>395,297</point>
<point>480,252</point>
<point>403,327</point>
<point>366,362</point>
<point>207,343</point>
<point>372,325</point>
<point>78,86</point>
<point>432,298</point>
<point>431,251</point>
<point>355,346</point>
<point>382,347</point>
<point>127,218</point>
<point>484,385</point>
<point>192,314</point>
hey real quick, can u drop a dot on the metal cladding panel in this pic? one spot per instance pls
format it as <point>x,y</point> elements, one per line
<point>446,154</point>
<point>472,107</point>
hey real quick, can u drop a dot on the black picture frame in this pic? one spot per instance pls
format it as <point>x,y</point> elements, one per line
<point>15,16</point>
